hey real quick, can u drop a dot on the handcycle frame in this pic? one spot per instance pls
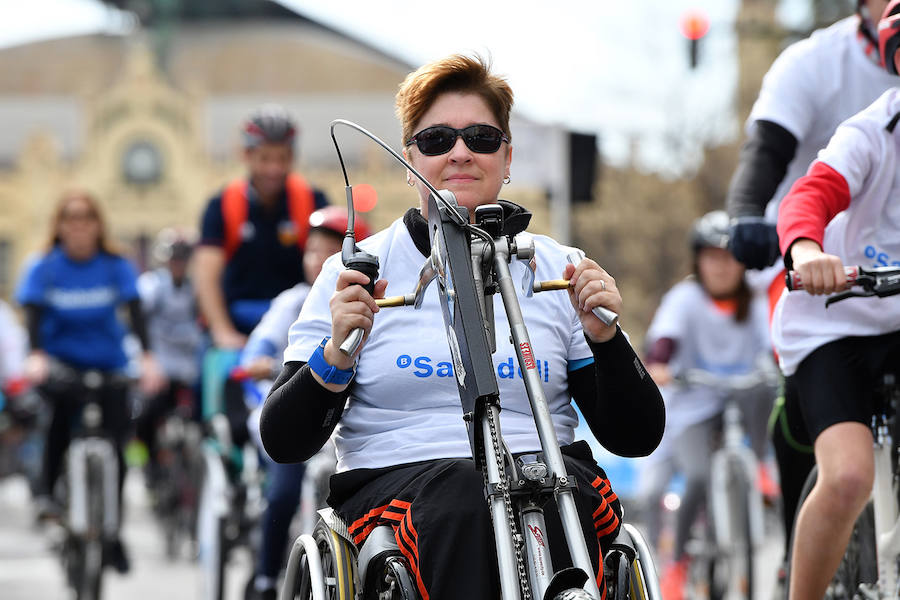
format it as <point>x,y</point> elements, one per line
<point>471,263</point>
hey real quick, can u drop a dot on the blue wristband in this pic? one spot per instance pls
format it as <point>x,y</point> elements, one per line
<point>329,373</point>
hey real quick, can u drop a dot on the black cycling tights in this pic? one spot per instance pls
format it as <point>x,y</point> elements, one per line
<point>66,414</point>
<point>794,454</point>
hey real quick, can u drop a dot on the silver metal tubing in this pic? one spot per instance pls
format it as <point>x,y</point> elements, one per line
<point>885,507</point>
<point>351,343</point>
<point>503,536</point>
<point>104,450</point>
<point>646,558</point>
<point>541,412</point>
<point>304,545</point>
<point>540,567</point>
<point>78,503</point>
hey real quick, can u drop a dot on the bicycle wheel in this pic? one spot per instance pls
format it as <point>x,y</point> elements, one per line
<point>91,545</point>
<point>732,572</point>
<point>338,559</point>
<point>618,576</point>
<point>859,564</point>
<point>396,582</point>
<point>211,525</point>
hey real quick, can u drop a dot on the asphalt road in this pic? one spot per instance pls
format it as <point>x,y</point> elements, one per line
<point>30,569</point>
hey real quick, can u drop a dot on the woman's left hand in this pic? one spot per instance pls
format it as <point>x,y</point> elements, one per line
<point>153,379</point>
<point>591,286</point>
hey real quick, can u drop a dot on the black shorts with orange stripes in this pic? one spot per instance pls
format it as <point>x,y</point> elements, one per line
<point>437,506</point>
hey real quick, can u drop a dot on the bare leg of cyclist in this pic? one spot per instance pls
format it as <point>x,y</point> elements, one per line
<point>846,471</point>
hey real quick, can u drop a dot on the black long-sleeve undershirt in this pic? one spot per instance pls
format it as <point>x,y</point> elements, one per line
<point>33,314</point>
<point>619,401</point>
<point>763,162</point>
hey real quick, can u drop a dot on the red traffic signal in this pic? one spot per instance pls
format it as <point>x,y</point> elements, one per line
<point>694,24</point>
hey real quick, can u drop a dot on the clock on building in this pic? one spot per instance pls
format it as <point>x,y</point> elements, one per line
<point>142,163</point>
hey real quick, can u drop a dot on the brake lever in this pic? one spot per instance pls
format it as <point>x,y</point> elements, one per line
<point>866,293</point>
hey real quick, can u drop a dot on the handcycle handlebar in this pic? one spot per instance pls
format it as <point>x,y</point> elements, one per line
<point>880,281</point>
<point>604,314</point>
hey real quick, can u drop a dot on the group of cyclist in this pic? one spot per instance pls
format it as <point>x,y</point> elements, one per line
<point>267,284</point>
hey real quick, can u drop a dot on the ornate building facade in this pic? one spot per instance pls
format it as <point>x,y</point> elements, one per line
<point>153,138</point>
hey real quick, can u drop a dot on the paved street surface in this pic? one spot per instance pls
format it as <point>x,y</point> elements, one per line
<point>30,570</point>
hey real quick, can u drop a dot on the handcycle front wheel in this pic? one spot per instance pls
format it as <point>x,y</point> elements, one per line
<point>859,564</point>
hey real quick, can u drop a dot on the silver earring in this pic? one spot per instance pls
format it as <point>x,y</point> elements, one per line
<point>506,179</point>
<point>409,180</point>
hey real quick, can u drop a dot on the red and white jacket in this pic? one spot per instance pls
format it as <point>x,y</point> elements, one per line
<point>849,202</point>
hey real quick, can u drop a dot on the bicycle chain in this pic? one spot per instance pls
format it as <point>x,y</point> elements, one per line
<point>507,503</point>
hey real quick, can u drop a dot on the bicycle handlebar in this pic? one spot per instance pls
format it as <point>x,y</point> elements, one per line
<point>65,374</point>
<point>735,383</point>
<point>880,281</point>
<point>794,283</point>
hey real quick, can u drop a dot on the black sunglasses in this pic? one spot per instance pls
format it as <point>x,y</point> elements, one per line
<point>483,139</point>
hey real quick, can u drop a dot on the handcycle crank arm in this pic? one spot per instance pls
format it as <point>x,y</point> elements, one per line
<point>392,301</point>
<point>427,274</point>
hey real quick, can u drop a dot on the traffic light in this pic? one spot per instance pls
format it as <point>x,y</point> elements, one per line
<point>582,166</point>
<point>694,24</point>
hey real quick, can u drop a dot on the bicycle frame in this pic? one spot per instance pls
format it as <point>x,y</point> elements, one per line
<point>734,451</point>
<point>884,500</point>
<point>82,452</point>
<point>461,289</point>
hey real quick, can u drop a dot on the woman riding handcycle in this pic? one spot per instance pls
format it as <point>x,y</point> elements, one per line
<point>404,457</point>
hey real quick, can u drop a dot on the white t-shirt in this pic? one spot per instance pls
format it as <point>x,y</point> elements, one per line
<point>270,336</point>
<point>404,405</point>
<point>706,338</point>
<point>175,336</point>
<point>867,233</point>
<point>13,344</point>
<point>813,86</point>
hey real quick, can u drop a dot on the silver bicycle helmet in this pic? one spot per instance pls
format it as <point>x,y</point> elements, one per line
<point>270,123</point>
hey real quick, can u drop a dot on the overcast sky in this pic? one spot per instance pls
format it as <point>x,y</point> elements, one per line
<point>618,69</point>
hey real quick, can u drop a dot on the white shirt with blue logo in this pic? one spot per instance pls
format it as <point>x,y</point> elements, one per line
<point>404,405</point>
<point>866,233</point>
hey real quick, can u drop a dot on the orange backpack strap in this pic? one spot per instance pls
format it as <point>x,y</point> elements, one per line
<point>234,214</point>
<point>301,204</point>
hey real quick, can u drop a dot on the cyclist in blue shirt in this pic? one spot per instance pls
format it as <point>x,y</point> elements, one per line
<point>71,295</point>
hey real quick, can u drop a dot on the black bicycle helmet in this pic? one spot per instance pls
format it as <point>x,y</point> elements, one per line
<point>271,124</point>
<point>173,244</point>
<point>710,231</point>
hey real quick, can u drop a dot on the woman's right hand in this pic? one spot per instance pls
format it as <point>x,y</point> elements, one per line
<point>228,338</point>
<point>352,307</point>
<point>37,367</point>
<point>820,273</point>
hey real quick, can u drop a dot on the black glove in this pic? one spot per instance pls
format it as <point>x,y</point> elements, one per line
<point>754,242</point>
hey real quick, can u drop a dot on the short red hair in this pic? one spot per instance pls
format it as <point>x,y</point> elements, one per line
<point>456,73</point>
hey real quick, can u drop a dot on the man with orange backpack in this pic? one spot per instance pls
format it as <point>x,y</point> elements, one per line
<point>253,231</point>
